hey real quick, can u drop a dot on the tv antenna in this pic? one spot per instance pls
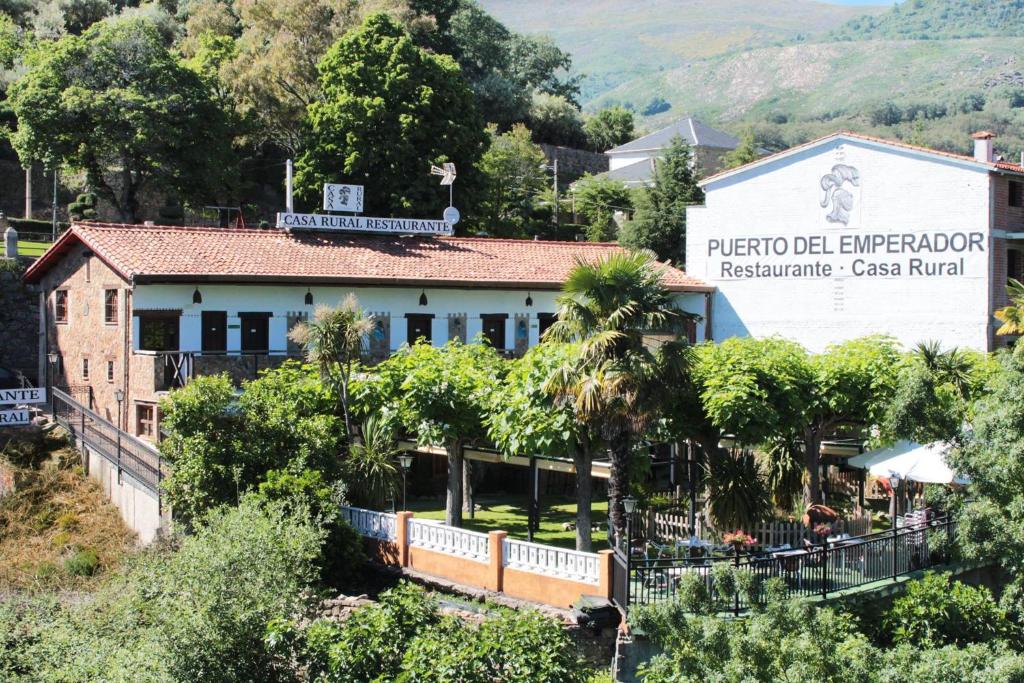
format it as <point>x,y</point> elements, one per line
<point>447,173</point>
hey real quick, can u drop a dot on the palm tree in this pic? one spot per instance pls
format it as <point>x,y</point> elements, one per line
<point>632,353</point>
<point>333,341</point>
<point>371,463</point>
<point>1012,315</point>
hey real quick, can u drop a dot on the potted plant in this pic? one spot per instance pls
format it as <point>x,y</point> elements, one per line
<point>739,539</point>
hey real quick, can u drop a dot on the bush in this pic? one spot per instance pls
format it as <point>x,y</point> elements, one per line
<point>195,614</point>
<point>85,562</point>
<point>936,611</point>
<point>724,577</point>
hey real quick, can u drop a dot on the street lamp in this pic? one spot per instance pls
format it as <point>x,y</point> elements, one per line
<point>894,506</point>
<point>119,397</point>
<point>629,506</point>
<point>405,460</point>
<point>50,369</point>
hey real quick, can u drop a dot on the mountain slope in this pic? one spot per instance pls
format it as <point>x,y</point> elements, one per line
<point>938,19</point>
<point>613,41</point>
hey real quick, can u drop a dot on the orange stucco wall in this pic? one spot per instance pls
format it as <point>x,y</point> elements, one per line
<point>548,590</point>
<point>457,569</point>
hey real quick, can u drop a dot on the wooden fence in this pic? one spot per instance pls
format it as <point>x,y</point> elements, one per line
<point>672,525</point>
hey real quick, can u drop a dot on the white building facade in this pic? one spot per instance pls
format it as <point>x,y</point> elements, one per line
<point>849,236</point>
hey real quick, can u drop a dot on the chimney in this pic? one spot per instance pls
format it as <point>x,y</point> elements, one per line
<point>983,146</point>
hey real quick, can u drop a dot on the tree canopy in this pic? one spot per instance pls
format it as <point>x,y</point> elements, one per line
<point>390,110</point>
<point>660,220</point>
<point>116,104</point>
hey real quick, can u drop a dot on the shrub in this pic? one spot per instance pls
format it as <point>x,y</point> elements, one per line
<point>724,576</point>
<point>936,611</point>
<point>370,644</point>
<point>84,562</point>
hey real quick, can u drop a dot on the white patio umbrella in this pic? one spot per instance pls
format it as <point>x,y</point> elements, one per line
<point>911,461</point>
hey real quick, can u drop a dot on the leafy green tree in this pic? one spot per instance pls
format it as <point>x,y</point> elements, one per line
<point>390,110</point>
<point>556,120</point>
<point>333,341</point>
<point>513,178</point>
<point>597,198</point>
<point>116,104</point>
<point>526,419</point>
<point>610,127</point>
<point>610,307</point>
<point>219,446</point>
<point>439,395</point>
<point>660,220</point>
<point>745,153</point>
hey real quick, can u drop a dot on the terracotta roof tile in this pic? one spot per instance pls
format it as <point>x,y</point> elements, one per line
<point>162,253</point>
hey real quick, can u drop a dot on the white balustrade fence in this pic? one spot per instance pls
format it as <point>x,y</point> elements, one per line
<point>549,561</point>
<point>449,540</point>
<point>379,525</point>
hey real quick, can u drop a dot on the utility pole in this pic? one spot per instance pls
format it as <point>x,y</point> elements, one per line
<point>28,192</point>
<point>289,202</point>
<point>555,169</point>
<point>53,227</point>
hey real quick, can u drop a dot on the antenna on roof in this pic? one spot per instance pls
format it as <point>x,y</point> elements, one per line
<point>447,173</point>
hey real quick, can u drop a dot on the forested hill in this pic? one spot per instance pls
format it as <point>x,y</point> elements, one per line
<point>938,19</point>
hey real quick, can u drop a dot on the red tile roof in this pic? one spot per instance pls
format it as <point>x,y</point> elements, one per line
<point>995,165</point>
<point>143,253</point>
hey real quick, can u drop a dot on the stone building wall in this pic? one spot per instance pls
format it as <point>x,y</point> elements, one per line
<point>573,163</point>
<point>19,322</point>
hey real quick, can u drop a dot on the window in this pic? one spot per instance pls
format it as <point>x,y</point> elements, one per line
<point>1016,193</point>
<point>255,332</point>
<point>145,422</point>
<point>418,327</point>
<point>1014,264</point>
<point>85,369</point>
<point>215,331</point>
<point>494,329</point>
<point>545,320</point>
<point>110,371</point>
<point>110,306</point>
<point>60,305</point>
<point>158,330</point>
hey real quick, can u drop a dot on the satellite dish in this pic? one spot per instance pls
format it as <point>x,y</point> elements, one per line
<point>451,215</point>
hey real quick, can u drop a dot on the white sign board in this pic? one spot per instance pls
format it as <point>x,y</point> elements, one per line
<point>22,396</point>
<point>14,418</point>
<point>343,198</point>
<point>395,226</point>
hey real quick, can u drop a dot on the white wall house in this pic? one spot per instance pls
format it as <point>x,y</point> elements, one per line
<point>633,162</point>
<point>144,309</point>
<point>850,235</point>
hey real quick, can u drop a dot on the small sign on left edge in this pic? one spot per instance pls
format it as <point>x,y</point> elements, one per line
<point>15,418</point>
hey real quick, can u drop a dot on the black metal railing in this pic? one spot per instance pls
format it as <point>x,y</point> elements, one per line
<point>130,455</point>
<point>814,570</point>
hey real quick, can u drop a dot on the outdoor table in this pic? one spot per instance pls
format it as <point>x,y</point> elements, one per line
<point>788,562</point>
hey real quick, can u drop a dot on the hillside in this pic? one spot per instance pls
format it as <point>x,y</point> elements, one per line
<point>730,64</point>
<point>614,41</point>
<point>938,19</point>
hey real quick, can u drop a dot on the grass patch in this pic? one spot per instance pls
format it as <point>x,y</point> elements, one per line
<point>58,531</point>
<point>26,248</point>
<point>508,513</point>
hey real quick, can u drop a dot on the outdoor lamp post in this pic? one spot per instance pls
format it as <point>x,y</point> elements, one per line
<point>894,503</point>
<point>119,397</point>
<point>50,369</point>
<point>405,460</point>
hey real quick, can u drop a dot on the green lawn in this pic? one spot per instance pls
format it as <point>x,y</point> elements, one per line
<point>32,248</point>
<point>508,513</point>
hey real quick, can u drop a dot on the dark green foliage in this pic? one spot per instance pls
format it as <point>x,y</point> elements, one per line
<point>116,104</point>
<point>83,208</point>
<point>736,493</point>
<point>85,562</point>
<point>657,105</point>
<point>220,445</point>
<point>554,119</point>
<point>745,153</point>
<point>660,220</point>
<point>597,199</point>
<point>937,611</point>
<point>403,638</point>
<point>388,111</point>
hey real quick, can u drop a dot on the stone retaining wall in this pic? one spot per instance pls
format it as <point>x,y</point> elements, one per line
<point>19,322</point>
